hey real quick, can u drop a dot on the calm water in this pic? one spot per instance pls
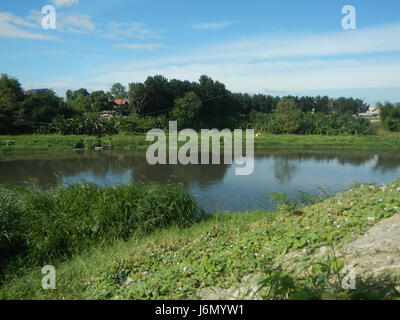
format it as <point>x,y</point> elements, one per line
<point>216,187</point>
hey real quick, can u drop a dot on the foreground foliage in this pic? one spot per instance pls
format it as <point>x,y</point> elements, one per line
<point>220,251</point>
<point>38,226</point>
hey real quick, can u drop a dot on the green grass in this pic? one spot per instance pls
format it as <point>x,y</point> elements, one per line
<point>383,140</point>
<point>25,143</point>
<point>41,142</point>
<point>38,226</point>
<point>219,251</point>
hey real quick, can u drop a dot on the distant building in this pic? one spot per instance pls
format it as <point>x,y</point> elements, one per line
<point>371,112</point>
<point>107,114</point>
<point>120,102</point>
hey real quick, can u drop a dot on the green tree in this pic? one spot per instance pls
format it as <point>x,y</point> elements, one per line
<point>81,104</point>
<point>118,91</point>
<point>153,97</point>
<point>100,101</point>
<point>40,108</point>
<point>186,110</point>
<point>390,116</point>
<point>11,100</point>
<point>288,116</point>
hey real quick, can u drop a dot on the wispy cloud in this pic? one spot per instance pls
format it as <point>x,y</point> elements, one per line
<point>11,26</point>
<point>361,59</point>
<point>141,46</point>
<point>56,52</point>
<point>84,24</point>
<point>76,23</point>
<point>285,63</point>
<point>214,25</point>
<point>360,42</point>
<point>64,3</point>
<point>122,30</point>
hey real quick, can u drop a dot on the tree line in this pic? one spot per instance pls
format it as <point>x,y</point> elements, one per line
<point>203,104</point>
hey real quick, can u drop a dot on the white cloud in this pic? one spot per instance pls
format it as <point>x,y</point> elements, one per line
<point>56,52</point>
<point>367,41</point>
<point>83,23</point>
<point>76,23</point>
<point>331,61</point>
<point>10,27</point>
<point>214,25</point>
<point>64,3</point>
<point>121,30</point>
<point>287,63</point>
<point>141,46</point>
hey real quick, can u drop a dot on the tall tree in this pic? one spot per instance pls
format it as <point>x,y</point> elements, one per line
<point>40,108</point>
<point>153,97</point>
<point>288,115</point>
<point>186,110</point>
<point>11,100</point>
<point>118,91</point>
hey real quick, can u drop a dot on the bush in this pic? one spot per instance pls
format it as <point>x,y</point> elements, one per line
<point>312,123</point>
<point>90,124</point>
<point>390,116</point>
<point>40,226</point>
<point>135,124</point>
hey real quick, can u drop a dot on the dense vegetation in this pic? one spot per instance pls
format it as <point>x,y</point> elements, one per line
<point>287,118</point>
<point>221,250</point>
<point>203,104</point>
<point>390,116</point>
<point>38,226</point>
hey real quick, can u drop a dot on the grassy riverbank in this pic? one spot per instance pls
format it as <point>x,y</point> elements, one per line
<point>38,226</point>
<point>25,143</point>
<point>220,251</point>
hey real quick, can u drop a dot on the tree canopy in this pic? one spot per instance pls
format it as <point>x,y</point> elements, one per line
<point>206,103</point>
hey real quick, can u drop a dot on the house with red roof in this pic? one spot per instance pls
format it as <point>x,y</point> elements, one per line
<point>120,102</point>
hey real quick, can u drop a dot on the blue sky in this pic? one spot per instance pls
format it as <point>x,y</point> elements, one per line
<point>275,47</point>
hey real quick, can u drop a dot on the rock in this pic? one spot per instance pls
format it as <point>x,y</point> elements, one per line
<point>247,289</point>
<point>378,249</point>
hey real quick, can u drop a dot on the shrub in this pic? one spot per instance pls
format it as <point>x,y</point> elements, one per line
<point>390,116</point>
<point>42,226</point>
<point>312,123</point>
<point>134,123</point>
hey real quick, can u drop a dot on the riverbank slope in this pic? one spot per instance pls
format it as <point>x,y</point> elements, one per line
<point>223,250</point>
<point>28,143</point>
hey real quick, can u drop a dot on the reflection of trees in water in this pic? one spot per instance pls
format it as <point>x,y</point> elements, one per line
<point>49,172</point>
<point>389,162</point>
<point>285,161</point>
<point>284,169</point>
<point>342,157</point>
<point>385,159</point>
<point>204,175</point>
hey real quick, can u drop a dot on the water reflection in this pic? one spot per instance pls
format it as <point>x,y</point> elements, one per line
<point>215,186</point>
